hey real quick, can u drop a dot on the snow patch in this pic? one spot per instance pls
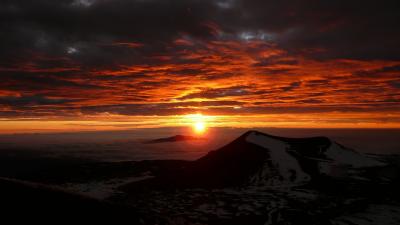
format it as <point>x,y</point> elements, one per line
<point>340,155</point>
<point>287,166</point>
<point>101,189</point>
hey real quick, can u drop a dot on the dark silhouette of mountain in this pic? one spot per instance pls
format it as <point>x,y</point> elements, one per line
<point>260,159</point>
<point>175,138</point>
<point>265,179</point>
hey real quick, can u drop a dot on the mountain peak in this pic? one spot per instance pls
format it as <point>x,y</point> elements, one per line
<point>262,159</point>
<point>249,133</point>
<point>315,141</point>
<point>254,132</point>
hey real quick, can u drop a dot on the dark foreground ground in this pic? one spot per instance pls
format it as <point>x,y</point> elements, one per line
<point>220,188</point>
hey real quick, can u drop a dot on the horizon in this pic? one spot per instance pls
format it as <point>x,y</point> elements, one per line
<point>129,144</point>
<point>188,129</point>
<point>57,126</point>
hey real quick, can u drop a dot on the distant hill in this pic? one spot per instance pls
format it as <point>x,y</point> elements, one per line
<point>175,138</point>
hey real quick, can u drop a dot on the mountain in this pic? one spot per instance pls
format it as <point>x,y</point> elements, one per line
<point>259,159</point>
<point>263,159</point>
<point>264,179</point>
<point>175,138</point>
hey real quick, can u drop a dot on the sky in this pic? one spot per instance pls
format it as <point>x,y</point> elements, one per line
<point>71,65</point>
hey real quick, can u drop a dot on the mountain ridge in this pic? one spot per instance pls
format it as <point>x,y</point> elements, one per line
<point>259,159</point>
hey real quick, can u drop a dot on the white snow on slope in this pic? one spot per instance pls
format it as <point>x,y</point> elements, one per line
<point>339,155</point>
<point>287,166</point>
<point>101,189</point>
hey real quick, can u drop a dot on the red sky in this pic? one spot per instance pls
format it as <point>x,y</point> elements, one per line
<point>305,69</point>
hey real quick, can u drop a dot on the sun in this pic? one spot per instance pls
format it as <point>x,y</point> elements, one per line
<point>198,122</point>
<point>199,127</point>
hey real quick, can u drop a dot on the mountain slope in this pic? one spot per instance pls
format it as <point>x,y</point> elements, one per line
<point>259,159</point>
<point>31,203</point>
<point>281,166</point>
<point>264,179</point>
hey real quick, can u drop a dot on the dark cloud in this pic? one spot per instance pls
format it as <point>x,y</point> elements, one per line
<point>87,32</point>
<point>212,93</point>
<point>325,29</point>
<point>33,100</point>
<point>395,83</point>
<point>292,86</point>
<point>43,81</point>
<point>377,72</point>
<point>84,30</point>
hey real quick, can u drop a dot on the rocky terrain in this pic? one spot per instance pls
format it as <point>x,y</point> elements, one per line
<point>255,179</point>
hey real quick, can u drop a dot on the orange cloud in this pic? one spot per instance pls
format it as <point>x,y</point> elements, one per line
<point>254,81</point>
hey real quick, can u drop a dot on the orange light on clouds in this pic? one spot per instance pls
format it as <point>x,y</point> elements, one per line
<point>199,127</point>
<point>229,82</point>
<point>198,122</point>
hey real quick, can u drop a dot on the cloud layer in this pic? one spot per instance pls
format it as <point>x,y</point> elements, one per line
<point>80,58</point>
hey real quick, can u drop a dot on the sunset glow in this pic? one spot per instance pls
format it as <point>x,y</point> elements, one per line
<point>208,66</point>
<point>199,127</point>
<point>200,112</point>
<point>198,122</point>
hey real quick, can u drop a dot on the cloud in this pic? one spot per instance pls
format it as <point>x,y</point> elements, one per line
<point>211,93</point>
<point>34,100</point>
<point>131,57</point>
<point>395,83</point>
<point>328,29</point>
<point>292,86</point>
<point>162,109</point>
